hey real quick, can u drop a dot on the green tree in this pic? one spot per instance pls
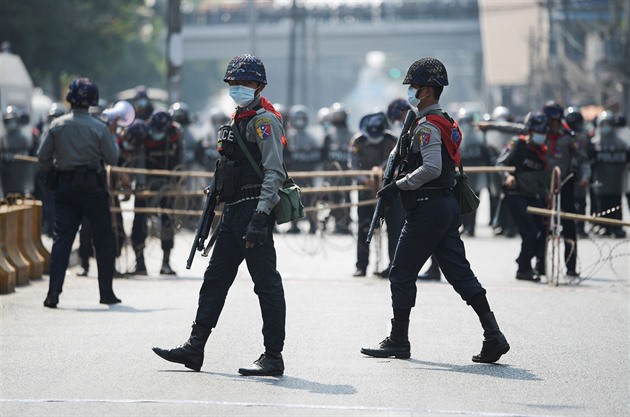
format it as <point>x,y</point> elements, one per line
<point>117,43</point>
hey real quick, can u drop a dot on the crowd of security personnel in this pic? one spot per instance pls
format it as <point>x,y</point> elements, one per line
<point>592,156</point>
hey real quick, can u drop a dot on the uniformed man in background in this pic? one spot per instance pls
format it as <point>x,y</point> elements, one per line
<point>75,150</point>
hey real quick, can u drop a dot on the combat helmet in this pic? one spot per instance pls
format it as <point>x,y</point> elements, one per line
<point>427,72</point>
<point>245,67</point>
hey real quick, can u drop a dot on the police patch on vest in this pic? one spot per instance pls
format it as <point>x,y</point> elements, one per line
<point>263,127</point>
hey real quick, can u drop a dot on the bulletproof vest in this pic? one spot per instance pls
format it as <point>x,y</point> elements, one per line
<point>611,157</point>
<point>234,171</point>
<point>163,154</point>
<point>447,176</point>
<point>532,175</point>
<point>337,142</point>
<point>371,155</point>
<point>304,151</point>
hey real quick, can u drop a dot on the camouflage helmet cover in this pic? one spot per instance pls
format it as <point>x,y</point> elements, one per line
<point>427,72</point>
<point>245,67</point>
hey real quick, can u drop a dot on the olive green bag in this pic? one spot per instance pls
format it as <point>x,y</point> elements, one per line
<point>466,197</point>
<point>290,206</point>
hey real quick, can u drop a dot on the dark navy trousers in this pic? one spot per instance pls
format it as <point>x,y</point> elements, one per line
<point>228,253</point>
<point>70,208</point>
<point>432,227</point>
<point>532,229</point>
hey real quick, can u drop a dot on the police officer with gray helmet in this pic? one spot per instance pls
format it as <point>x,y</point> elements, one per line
<point>75,150</point>
<point>433,218</point>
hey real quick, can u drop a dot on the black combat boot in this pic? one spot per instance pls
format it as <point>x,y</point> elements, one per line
<point>140,268</point>
<point>494,342</point>
<point>190,354</point>
<point>166,266</point>
<point>269,364</point>
<point>397,344</point>
<point>85,264</point>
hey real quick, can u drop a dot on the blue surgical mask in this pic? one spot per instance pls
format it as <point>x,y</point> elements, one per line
<point>242,95</point>
<point>411,97</point>
<point>413,101</point>
<point>539,138</point>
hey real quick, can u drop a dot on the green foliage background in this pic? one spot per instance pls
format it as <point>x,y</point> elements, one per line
<point>117,43</point>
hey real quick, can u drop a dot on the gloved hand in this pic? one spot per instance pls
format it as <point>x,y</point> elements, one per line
<point>388,193</point>
<point>256,230</point>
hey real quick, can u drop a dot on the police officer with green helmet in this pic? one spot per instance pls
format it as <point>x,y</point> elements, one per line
<point>433,218</point>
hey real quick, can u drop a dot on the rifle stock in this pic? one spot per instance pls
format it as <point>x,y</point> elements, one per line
<point>388,174</point>
<point>203,227</point>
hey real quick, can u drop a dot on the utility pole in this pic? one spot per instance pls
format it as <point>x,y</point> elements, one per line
<point>291,72</point>
<point>625,78</point>
<point>253,17</point>
<point>174,50</point>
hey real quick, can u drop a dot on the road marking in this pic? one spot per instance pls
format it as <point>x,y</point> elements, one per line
<point>271,405</point>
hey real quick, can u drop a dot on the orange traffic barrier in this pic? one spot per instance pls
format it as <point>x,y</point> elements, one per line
<point>14,256</point>
<point>36,231</point>
<point>7,272</point>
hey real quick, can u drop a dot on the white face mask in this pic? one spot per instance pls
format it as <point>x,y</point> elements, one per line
<point>157,136</point>
<point>413,101</point>
<point>539,138</point>
<point>242,95</point>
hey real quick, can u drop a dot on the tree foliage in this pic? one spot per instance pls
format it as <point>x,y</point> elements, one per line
<point>114,42</point>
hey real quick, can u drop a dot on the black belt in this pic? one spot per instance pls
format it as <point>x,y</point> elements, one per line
<point>248,193</point>
<point>65,175</point>
<point>424,194</point>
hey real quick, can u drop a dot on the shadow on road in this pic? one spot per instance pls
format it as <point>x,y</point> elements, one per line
<point>291,382</point>
<point>493,370</point>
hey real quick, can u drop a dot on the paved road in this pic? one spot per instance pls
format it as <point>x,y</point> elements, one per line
<point>569,353</point>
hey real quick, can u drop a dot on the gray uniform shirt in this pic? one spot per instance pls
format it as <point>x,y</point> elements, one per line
<point>270,145</point>
<point>77,139</point>
<point>427,139</point>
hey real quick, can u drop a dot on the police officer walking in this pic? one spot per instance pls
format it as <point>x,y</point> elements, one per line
<point>246,229</point>
<point>433,218</point>
<point>76,147</point>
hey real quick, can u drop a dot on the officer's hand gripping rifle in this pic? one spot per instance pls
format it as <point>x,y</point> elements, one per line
<point>394,159</point>
<point>203,227</point>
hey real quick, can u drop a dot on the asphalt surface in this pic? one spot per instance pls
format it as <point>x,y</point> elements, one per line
<point>569,354</point>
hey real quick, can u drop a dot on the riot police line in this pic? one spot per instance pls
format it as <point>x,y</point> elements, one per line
<point>304,190</point>
<point>377,179</point>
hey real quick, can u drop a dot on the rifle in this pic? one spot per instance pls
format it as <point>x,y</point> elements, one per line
<point>203,227</point>
<point>393,160</point>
